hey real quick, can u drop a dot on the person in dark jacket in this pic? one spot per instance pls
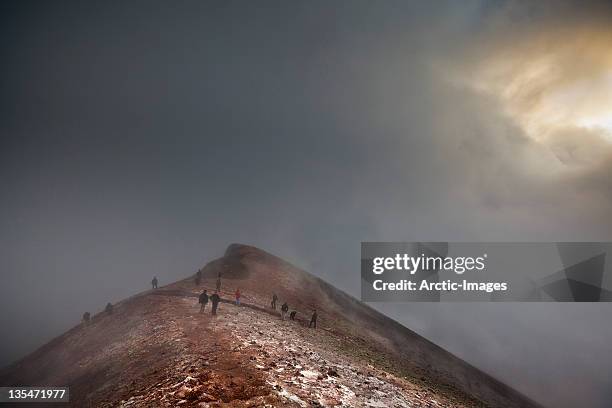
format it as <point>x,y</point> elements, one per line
<point>313,319</point>
<point>86,318</point>
<point>109,308</point>
<point>274,299</point>
<point>284,310</point>
<point>154,282</point>
<point>292,315</point>
<point>203,300</point>
<point>215,299</point>
<point>198,277</point>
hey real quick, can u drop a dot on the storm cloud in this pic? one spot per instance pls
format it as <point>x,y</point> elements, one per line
<point>140,139</point>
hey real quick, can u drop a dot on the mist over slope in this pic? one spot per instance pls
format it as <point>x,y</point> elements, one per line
<point>156,349</point>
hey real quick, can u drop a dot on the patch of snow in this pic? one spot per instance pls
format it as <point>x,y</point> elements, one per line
<point>292,397</point>
<point>309,374</point>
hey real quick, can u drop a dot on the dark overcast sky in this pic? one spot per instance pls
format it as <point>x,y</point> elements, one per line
<point>141,138</point>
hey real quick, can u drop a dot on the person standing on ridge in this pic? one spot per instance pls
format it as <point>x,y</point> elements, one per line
<point>203,300</point>
<point>109,308</point>
<point>237,294</point>
<point>86,318</point>
<point>274,299</point>
<point>313,319</point>
<point>198,277</point>
<point>284,310</point>
<point>154,282</point>
<point>219,282</point>
<point>215,299</point>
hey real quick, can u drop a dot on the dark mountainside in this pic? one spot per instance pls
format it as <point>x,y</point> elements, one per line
<point>157,350</point>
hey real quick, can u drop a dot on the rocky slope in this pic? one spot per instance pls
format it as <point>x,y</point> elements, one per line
<point>157,350</point>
